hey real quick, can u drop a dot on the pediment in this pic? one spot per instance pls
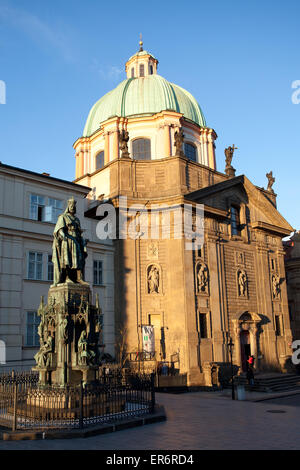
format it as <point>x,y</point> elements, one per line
<point>263,213</point>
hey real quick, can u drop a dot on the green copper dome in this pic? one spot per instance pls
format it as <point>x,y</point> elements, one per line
<point>143,95</point>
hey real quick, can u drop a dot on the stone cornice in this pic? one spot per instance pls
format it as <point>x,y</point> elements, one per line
<point>270,228</point>
<point>40,178</point>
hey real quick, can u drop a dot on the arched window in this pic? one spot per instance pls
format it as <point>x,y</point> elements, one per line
<point>132,72</point>
<point>151,69</point>
<point>190,152</point>
<point>141,149</point>
<point>99,160</point>
<point>142,70</point>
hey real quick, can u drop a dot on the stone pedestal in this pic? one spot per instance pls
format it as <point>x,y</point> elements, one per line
<point>230,171</point>
<point>73,325</point>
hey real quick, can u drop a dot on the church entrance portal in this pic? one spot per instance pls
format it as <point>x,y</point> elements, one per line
<point>245,348</point>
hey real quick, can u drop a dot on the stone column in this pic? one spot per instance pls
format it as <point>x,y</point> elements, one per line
<point>253,342</point>
<point>237,344</point>
<point>77,165</point>
<point>211,149</point>
<point>81,162</point>
<point>116,144</point>
<point>167,140</point>
<point>215,299</point>
<point>106,148</point>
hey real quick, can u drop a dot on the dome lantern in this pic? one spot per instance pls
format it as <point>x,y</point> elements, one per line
<point>141,64</point>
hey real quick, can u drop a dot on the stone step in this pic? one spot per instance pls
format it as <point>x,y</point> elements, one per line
<point>276,383</point>
<point>270,384</point>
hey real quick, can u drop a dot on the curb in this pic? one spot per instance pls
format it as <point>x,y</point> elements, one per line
<point>272,397</point>
<point>158,416</point>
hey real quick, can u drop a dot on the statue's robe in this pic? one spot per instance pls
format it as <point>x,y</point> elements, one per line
<point>67,252</point>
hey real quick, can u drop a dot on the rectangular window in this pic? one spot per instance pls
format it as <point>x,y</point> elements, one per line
<point>35,266</point>
<point>37,206</point>
<point>278,325</point>
<point>50,268</point>
<point>53,210</point>
<point>32,337</point>
<point>235,221</point>
<point>291,311</point>
<point>98,272</point>
<point>203,325</point>
<point>45,209</point>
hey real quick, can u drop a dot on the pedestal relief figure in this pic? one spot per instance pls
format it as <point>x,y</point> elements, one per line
<point>63,329</point>
<point>242,283</point>
<point>42,328</point>
<point>69,247</point>
<point>43,356</point>
<point>85,354</point>
<point>275,286</point>
<point>153,279</point>
<point>202,278</point>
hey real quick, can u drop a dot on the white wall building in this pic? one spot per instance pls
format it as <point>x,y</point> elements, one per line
<point>29,206</point>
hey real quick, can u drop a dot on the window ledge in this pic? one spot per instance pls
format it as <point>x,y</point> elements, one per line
<point>41,221</point>
<point>38,280</point>
<point>237,238</point>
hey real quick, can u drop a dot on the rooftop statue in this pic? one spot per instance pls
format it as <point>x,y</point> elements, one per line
<point>271,181</point>
<point>229,151</point>
<point>69,247</point>
<point>229,170</point>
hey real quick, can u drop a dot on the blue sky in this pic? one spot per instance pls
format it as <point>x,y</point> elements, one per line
<point>237,57</point>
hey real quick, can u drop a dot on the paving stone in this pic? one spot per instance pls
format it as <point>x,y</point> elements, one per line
<point>196,421</point>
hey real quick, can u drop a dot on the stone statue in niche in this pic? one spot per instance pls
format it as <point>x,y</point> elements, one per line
<point>275,286</point>
<point>123,143</point>
<point>178,137</point>
<point>202,278</point>
<point>242,283</point>
<point>153,280</point>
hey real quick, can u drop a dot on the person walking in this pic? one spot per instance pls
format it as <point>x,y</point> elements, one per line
<point>250,376</point>
<point>250,370</point>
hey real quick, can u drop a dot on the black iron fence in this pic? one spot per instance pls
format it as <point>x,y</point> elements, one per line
<point>118,395</point>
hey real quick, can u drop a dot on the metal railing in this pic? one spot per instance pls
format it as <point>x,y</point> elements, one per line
<point>26,405</point>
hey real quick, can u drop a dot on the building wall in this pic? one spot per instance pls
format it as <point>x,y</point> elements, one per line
<point>20,235</point>
<point>292,266</point>
<point>175,309</point>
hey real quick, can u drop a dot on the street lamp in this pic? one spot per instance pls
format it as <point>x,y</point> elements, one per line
<point>230,346</point>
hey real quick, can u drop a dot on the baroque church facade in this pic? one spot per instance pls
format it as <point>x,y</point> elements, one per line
<point>147,152</point>
<point>147,140</point>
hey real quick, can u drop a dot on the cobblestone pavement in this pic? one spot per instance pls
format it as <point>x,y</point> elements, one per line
<point>293,400</point>
<point>196,421</point>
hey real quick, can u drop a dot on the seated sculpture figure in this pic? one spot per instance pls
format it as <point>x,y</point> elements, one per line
<point>69,247</point>
<point>85,354</point>
<point>43,356</point>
